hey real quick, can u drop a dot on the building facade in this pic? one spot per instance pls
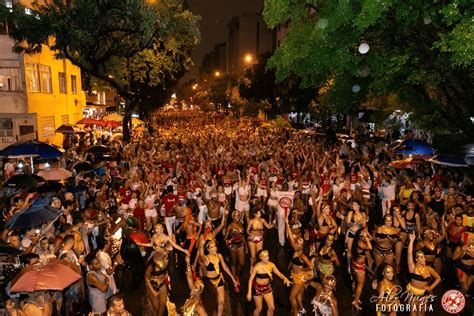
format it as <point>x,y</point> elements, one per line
<point>248,37</point>
<point>40,85</point>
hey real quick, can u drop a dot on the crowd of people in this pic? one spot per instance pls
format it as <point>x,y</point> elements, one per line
<point>197,201</point>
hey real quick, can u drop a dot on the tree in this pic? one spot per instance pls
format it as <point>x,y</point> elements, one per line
<point>420,51</point>
<point>138,48</point>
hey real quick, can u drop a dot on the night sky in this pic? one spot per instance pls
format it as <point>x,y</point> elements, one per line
<point>215,15</point>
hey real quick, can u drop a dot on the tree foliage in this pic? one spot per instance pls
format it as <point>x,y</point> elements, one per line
<point>138,48</point>
<point>422,52</point>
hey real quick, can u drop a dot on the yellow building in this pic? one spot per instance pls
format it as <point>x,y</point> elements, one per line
<point>38,84</point>
<point>54,93</point>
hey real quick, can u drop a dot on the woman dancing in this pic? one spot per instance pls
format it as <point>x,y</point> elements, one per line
<point>260,281</point>
<point>255,235</point>
<point>213,264</point>
<point>301,272</point>
<point>423,279</point>
<point>156,280</point>
<point>237,246</point>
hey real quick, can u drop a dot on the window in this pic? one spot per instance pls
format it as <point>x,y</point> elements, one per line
<point>65,119</point>
<point>47,127</point>
<point>6,127</point>
<point>45,77</point>
<point>32,77</point>
<point>62,82</point>
<point>73,84</point>
<point>26,130</point>
<point>10,79</point>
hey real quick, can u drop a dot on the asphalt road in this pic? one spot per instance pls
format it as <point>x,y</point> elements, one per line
<point>236,304</point>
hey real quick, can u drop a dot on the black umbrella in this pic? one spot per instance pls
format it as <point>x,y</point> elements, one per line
<point>24,181</point>
<point>32,216</point>
<point>9,192</point>
<point>49,186</point>
<point>83,166</point>
<point>99,150</point>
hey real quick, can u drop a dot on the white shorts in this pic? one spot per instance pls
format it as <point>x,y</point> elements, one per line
<point>261,192</point>
<point>151,213</point>
<point>272,202</point>
<point>242,206</point>
<point>306,190</point>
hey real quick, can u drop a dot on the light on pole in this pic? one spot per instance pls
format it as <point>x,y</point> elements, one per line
<point>217,73</point>
<point>248,58</point>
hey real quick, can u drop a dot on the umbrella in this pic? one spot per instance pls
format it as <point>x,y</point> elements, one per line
<point>56,174</point>
<point>32,216</point>
<point>137,121</point>
<point>448,160</point>
<point>24,181</point>
<point>139,238</point>
<point>31,148</point>
<point>414,147</point>
<point>88,121</point>
<point>83,166</point>
<point>8,192</point>
<point>117,136</point>
<point>100,151</point>
<point>49,186</point>
<point>111,124</point>
<point>407,163</point>
<point>114,117</point>
<point>69,129</point>
<point>56,275</point>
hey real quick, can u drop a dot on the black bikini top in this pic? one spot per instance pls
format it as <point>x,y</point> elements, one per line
<point>384,236</point>
<point>428,252</point>
<point>421,278</point>
<point>211,267</point>
<point>263,276</point>
<point>298,262</point>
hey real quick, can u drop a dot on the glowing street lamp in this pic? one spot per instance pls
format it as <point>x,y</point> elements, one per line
<point>217,74</point>
<point>195,86</point>
<point>248,58</point>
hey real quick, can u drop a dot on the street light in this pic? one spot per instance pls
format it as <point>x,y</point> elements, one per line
<point>195,86</point>
<point>248,58</point>
<point>217,73</point>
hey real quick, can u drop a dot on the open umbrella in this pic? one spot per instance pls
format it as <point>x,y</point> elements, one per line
<point>56,275</point>
<point>114,117</point>
<point>111,124</point>
<point>99,149</point>
<point>49,186</point>
<point>56,174</point>
<point>83,166</point>
<point>100,152</point>
<point>24,181</point>
<point>414,147</point>
<point>448,160</point>
<point>69,129</point>
<point>88,121</point>
<point>32,216</point>
<point>31,148</point>
<point>407,163</point>
<point>137,121</point>
<point>139,238</point>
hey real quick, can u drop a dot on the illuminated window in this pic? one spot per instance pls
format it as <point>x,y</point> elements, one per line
<point>62,82</point>
<point>73,84</point>
<point>45,77</point>
<point>10,79</point>
<point>32,77</point>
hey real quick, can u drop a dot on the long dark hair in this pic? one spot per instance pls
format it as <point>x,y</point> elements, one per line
<point>357,238</point>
